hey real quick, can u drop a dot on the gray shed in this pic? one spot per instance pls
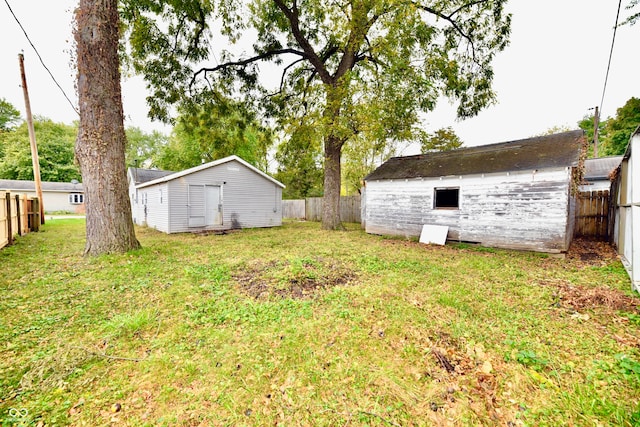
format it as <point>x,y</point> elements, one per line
<point>517,194</point>
<point>224,194</point>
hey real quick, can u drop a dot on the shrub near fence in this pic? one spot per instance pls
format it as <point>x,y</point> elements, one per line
<point>311,209</point>
<point>19,215</point>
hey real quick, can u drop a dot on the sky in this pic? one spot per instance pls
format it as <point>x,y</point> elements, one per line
<point>551,74</point>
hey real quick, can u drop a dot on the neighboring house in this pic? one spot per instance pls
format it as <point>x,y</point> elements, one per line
<point>518,195</point>
<point>626,190</point>
<point>58,196</point>
<point>224,194</point>
<point>598,173</point>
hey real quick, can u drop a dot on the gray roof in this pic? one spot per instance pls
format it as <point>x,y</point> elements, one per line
<point>174,175</point>
<point>550,151</point>
<point>22,185</point>
<point>146,175</point>
<point>600,168</point>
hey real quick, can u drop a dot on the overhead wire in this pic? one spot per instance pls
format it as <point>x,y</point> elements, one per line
<point>40,58</point>
<point>613,41</point>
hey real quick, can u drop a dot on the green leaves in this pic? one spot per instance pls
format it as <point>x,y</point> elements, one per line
<point>55,151</point>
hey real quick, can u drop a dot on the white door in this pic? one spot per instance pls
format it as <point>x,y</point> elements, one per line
<point>213,207</point>
<point>196,206</point>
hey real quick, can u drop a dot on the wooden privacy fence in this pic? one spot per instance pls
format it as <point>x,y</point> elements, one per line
<point>592,214</point>
<point>311,209</point>
<point>19,214</point>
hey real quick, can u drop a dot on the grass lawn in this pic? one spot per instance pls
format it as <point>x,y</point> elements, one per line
<point>298,326</point>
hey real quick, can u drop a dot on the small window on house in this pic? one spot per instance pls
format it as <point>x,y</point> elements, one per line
<point>447,198</point>
<point>76,198</point>
<point>161,196</point>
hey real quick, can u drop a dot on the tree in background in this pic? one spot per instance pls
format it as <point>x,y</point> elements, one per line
<point>342,63</point>
<point>100,147</point>
<point>9,115</point>
<point>299,161</point>
<point>213,130</point>
<point>143,149</point>
<point>618,129</point>
<point>55,152</point>
<point>613,133</point>
<point>444,139</point>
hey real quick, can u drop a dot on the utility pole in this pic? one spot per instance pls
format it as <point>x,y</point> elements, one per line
<point>596,123</point>
<point>32,139</point>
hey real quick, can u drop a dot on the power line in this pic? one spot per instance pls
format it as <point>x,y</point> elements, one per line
<point>40,58</point>
<point>613,41</point>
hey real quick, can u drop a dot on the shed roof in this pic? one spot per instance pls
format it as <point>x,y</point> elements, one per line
<point>175,175</point>
<point>600,168</point>
<point>25,185</point>
<point>550,151</point>
<point>145,175</point>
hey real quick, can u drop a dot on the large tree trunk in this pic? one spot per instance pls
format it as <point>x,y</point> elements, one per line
<point>332,182</point>
<point>100,146</point>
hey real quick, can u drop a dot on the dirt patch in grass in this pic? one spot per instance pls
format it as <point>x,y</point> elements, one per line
<point>297,278</point>
<point>580,298</point>
<point>591,252</point>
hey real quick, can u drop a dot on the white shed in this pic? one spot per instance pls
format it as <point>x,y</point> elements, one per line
<point>518,195</point>
<point>627,214</point>
<point>224,194</point>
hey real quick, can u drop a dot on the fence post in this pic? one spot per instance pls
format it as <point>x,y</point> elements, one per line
<point>9,230</point>
<point>18,215</point>
<point>36,214</point>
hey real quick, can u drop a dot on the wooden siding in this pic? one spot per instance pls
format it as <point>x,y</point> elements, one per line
<point>248,199</point>
<point>523,210</point>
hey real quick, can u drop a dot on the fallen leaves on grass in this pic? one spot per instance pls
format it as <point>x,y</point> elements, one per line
<point>578,297</point>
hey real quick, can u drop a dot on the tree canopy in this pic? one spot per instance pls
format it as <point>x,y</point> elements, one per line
<point>9,115</point>
<point>614,132</point>
<point>55,152</point>
<point>213,130</point>
<point>346,68</point>
<point>444,139</point>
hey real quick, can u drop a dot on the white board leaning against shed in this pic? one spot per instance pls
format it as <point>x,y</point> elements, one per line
<point>516,195</point>
<point>224,194</point>
<point>434,234</point>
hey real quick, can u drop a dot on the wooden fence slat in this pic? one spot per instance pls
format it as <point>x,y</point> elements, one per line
<point>592,214</point>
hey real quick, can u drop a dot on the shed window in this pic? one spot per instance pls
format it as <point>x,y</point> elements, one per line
<point>76,198</point>
<point>447,198</point>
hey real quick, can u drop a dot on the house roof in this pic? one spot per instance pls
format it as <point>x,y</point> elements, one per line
<point>23,185</point>
<point>600,168</point>
<point>145,175</point>
<point>550,151</point>
<point>175,175</point>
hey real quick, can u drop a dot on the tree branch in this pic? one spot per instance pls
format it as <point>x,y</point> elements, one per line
<point>245,62</point>
<point>293,16</point>
<point>449,18</point>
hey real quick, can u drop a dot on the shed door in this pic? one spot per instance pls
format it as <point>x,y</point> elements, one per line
<point>213,205</point>
<point>196,206</point>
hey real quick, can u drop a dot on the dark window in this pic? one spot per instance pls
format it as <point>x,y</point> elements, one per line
<point>76,199</point>
<point>447,198</point>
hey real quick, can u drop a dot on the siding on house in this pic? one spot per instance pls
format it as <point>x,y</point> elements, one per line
<point>248,199</point>
<point>55,195</point>
<point>514,195</point>
<point>627,214</point>
<point>183,201</point>
<point>517,210</point>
